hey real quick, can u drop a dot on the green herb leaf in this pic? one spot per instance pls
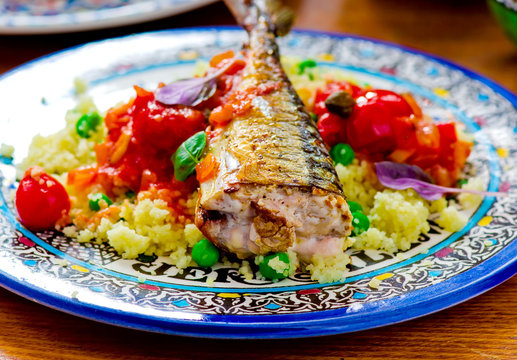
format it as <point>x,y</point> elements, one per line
<point>309,63</point>
<point>188,156</point>
<point>87,124</point>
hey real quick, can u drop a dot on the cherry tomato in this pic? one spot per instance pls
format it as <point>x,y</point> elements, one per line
<point>404,131</point>
<point>332,128</point>
<point>370,128</point>
<point>41,200</point>
<point>330,88</point>
<point>395,103</point>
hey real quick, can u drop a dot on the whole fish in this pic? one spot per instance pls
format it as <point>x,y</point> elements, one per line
<point>276,187</point>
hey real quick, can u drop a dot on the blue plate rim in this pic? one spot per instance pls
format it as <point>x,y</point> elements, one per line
<point>486,275</point>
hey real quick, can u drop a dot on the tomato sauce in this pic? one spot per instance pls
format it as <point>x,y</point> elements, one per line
<point>143,134</point>
<point>136,153</point>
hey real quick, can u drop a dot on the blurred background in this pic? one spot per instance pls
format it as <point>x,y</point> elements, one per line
<point>464,31</point>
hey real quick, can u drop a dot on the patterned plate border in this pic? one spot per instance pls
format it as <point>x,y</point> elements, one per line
<point>79,15</point>
<point>321,321</point>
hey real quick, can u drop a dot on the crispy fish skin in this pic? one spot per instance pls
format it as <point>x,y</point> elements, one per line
<point>276,141</point>
<point>276,186</point>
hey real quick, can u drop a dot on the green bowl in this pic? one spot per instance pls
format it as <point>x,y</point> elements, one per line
<point>505,11</point>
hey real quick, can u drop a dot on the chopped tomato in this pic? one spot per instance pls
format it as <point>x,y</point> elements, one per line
<point>401,155</point>
<point>217,59</point>
<point>142,93</point>
<point>152,120</point>
<point>462,150</point>
<point>235,66</point>
<point>142,136</point>
<point>207,168</point>
<point>41,201</point>
<point>332,128</point>
<point>221,116</point>
<point>334,86</point>
<point>447,131</point>
<point>385,125</point>
<point>442,176</point>
<point>417,110</point>
<point>404,132</point>
<point>448,140</point>
<point>147,179</point>
<point>116,117</point>
<point>82,178</point>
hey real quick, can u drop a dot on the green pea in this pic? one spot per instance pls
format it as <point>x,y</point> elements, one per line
<point>354,206</point>
<point>275,272</point>
<point>462,182</point>
<point>205,254</point>
<point>87,124</point>
<point>342,154</point>
<point>360,222</point>
<point>130,194</point>
<point>309,63</point>
<point>95,201</point>
<point>314,117</point>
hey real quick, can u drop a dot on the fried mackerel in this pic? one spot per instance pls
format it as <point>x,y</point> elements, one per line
<point>276,187</point>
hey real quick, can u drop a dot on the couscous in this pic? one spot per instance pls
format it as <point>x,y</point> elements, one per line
<point>148,212</point>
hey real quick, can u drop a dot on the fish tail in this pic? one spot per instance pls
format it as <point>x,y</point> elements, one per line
<point>251,14</point>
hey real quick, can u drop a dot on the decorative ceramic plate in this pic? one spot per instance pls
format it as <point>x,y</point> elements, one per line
<point>56,16</point>
<point>441,270</point>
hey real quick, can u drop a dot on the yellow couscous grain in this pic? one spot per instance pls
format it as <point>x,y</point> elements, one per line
<point>451,219</point>
<point>471,201</point>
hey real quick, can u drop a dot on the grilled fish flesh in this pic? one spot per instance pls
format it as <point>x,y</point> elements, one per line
<point>276,187</point>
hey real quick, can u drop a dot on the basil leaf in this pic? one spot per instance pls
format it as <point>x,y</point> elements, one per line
<point>190,92</point>
<point>188,155</point>
<point>402,176</point>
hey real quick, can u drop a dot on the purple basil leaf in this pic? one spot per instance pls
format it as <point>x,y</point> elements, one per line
<point>190,92</point>
<point>402,176</point>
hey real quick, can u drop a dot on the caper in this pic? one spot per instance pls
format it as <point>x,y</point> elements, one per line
<point>340,103</point>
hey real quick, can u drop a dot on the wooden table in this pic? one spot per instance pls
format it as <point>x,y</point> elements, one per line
<point>482,328</point>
